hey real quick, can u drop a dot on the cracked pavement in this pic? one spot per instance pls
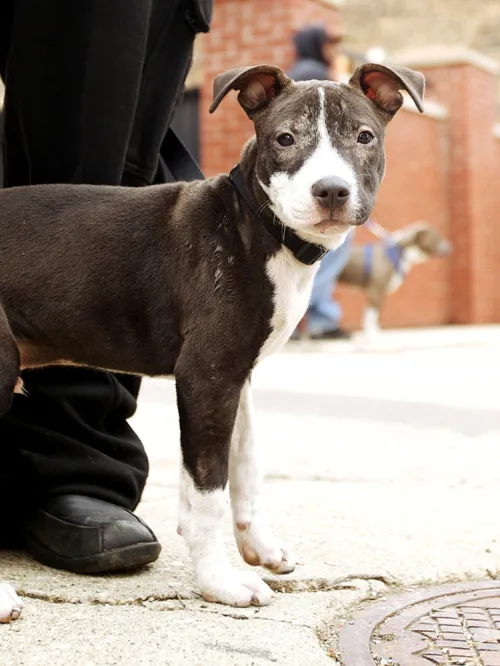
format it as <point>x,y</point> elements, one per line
<point>381,471</point>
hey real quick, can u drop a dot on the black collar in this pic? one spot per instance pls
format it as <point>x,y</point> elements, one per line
<point>307,253</point>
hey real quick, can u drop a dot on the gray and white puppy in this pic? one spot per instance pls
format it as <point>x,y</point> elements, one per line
<point>185,280</point>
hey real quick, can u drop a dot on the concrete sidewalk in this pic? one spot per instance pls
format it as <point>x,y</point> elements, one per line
<point>382,471</point>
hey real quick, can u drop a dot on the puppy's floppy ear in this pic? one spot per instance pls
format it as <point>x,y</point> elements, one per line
<point>382,84</point>
<point>258,85</point>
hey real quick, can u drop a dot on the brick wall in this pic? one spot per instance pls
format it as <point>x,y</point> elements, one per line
<point>415,188</point>
<point>247,32</point>
<point>400,24</point>
<point>483,173</point>
<point>447,172</point>
<point>468,90</point>
<point>444,169</point>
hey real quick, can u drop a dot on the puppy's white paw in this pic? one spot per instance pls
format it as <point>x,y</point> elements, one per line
<point>10,604</point>
<point>235,588</point>
<point>258,547</point>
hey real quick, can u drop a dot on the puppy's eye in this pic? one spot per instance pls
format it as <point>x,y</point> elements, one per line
<point>365,137</point>
<point>286,140</point>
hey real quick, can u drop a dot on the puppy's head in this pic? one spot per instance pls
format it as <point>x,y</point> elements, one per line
<point>319,145</point>
<point>424,240</point>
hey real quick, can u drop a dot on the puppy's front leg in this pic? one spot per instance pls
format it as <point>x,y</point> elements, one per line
<point>255,541</point>
<point>207,409</point>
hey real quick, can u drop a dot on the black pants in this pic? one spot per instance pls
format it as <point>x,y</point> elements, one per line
<point>91,87</point>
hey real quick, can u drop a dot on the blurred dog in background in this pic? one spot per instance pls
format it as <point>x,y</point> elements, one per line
<point>380,268</point>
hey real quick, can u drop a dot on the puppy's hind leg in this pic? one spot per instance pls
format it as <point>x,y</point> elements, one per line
<point>9,365</point>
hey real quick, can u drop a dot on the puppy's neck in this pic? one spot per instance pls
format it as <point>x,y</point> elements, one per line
<point>248,163</point>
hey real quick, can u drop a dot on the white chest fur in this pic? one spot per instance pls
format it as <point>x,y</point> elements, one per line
<point>292,283</point>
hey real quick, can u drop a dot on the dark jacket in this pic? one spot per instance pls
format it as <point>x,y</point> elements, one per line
<point>311,63</point>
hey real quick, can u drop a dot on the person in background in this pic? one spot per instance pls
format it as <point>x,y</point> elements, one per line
<point>316,48</point>
<point>324,313</point>
<point>90,91</point>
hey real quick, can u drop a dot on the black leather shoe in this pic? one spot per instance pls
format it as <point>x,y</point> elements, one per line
<point>86,535</point>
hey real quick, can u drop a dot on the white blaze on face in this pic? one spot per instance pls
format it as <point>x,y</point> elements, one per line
<point>291,194</point>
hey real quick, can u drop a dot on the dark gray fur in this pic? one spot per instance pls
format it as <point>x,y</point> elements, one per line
<point>168,279</point>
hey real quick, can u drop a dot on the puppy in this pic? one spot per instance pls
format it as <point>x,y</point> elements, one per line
<point>201,280</point>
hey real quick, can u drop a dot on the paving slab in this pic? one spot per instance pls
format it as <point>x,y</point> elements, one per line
<point>381,470</point>
<point>58,634</point>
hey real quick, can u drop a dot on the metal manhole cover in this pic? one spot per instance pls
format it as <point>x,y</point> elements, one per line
<point>449,624</point>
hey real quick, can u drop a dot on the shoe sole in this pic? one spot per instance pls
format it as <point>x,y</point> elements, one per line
<point>111,561</point>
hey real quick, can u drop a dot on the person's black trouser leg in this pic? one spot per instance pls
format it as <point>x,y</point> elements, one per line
<point>90,90</point>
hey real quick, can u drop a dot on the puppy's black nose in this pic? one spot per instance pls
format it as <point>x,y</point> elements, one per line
<point>331,192</point>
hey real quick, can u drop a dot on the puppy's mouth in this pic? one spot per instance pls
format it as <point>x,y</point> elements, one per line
<point>340,221</point>
<point>334,225</point>
<point>330,225</point>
